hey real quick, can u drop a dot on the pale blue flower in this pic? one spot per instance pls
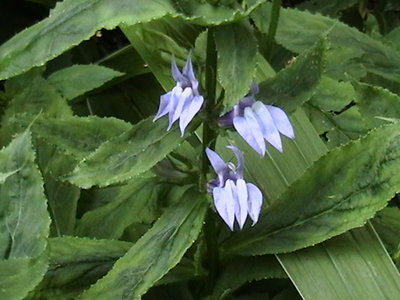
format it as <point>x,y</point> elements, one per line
<point>184,101</point>
<point>233,197</point>
<point>257,122</point>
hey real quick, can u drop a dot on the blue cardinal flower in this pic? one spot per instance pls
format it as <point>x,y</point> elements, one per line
<point>184,101</point>
<point>233,197</point>
<point>257,122</point>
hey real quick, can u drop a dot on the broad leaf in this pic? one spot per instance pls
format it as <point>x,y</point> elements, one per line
<point>236,60</point>
<point>353,266</point>
<point>31,95</point>
<point>64,133</point>
<point>250,269</point>
<point>387,224</point>
<point>159,250</point>
<point>68,24</point>
<point>340,191</point>
<point>24,220</point>
<point>134,203</point>
<point>19,276</point>
<point>127,155</point>
<point>158,40</point>
<point>295,84</point>
<point>75,264</point>
<point>350,52</point>
<point>76,80</point>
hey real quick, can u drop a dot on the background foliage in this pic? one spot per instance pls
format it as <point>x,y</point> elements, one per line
<point>99,202</point>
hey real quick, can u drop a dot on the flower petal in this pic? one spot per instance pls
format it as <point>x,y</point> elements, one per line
<point>281,121</point>
<point>174,101</point>
<point>264,118</point>
<point>165,101</point>
<point>189,110</point>
<point>179,101</point>
<point>241,206</point>
<point>256,128</point>
<point>216,161</point>
<point>254,202</point>
<point>240,159</point>
<point>224,204</point>
<point>176,74</point>
<point>188,69</point>
<point>243,129</point>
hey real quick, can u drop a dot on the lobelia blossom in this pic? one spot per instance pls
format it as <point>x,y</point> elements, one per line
<point>233,197</point>
<point>257,122</point>
<point>184,100</point>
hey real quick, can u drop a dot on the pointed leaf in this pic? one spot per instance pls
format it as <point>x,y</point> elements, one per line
<point>127,155</point>
<point>52,36</point>
<point>235,60</point>
<point>134,203</point>
<point>24,220</point>
<point>76,80</point>
<point>342,190</point>
<point>295,84</point>
<point>160,249</point>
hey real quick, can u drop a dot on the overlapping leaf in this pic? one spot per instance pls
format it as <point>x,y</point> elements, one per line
<point>235,60</point>
<point>127,155</point>
<point>24,220</point>
<point>134,203</point>
<point>154,254</point>
<point>295,84</point>
<point>79,79</point>
<point>339,192</point>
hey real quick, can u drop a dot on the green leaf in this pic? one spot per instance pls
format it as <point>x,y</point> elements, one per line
<point>62,196</point>
<point>375,102</point>
<point>351,266</point>
<point>206,14</point>
<point>332,95</point>
<point>127,155</point>
<point>76,80</point>
<point>19,276</point>
<point>156,41</point>
<point>31,95</point>
<point>250,269</point>
<point>327,7</point>
<point>333,196</point>
<point>68,24</point>
<point>134,203</point>
<point>75,264</point>
<point>351,52</point>
<point>387,224</point>
<point>159,250</point>
<point>64,133</point>
<point>236,60</point>
<point>24,220</point>
<point>290,87</point>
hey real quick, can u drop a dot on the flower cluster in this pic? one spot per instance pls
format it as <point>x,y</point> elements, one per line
<point>184,101</point>
<point>253,120</point>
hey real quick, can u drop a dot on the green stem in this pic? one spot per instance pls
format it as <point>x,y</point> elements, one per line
<point>209,136</point>
<point>273,24</point>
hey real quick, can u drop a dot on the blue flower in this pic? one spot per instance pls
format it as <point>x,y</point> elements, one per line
<point>257,122</point>
<point>184,101</point>
<point>233,197</point>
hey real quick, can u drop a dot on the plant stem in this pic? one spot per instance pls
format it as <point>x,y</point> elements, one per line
<point>209,137</point>
<point>273,24</point>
